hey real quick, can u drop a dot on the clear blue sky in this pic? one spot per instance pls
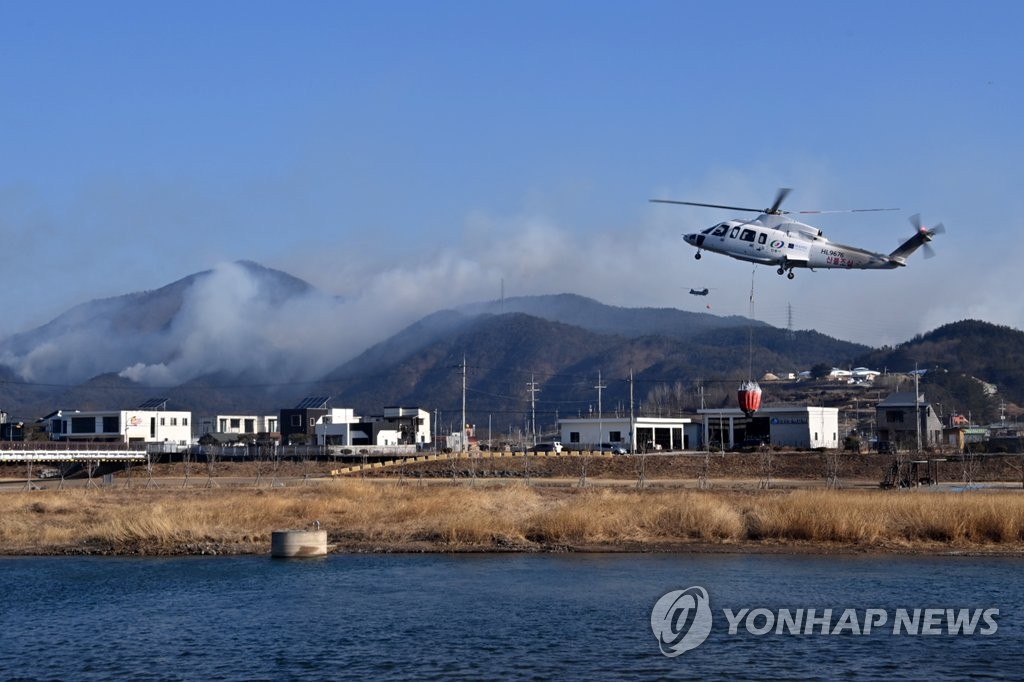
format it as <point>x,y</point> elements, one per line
<point>415,155</point>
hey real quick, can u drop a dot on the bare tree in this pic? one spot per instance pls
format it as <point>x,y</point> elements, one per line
<point>641,468</point>
<point>765,462</point>
<point>831,460</point>
<point>970,465</point>
<point>584,462</point>
<point>703,477</point>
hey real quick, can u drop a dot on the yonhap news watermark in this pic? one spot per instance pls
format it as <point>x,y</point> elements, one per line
<point>682,620</point>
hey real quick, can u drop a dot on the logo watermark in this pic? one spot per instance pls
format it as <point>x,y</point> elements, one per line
<point>682,620</point>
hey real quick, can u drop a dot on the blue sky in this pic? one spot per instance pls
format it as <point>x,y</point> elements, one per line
<point>411,156</point>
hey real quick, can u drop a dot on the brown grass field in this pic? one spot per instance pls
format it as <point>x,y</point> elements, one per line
<point>407,515</point>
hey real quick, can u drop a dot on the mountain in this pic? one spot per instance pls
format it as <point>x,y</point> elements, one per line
<point>150,328</point>
<point>962,360</point>
<point>506,354</point>
<point>589,314</point>
<point>242,338</point>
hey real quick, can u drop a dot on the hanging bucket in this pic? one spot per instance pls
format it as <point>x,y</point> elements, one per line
<point>749,397</point>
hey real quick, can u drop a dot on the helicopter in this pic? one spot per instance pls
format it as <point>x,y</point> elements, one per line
<point>700,292</point>
<point>773,239</point>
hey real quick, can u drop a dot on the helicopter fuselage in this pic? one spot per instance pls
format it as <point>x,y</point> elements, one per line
<point>777,240</point>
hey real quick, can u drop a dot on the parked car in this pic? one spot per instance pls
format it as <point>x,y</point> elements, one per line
<point>613,448</point>
<point>547,447</point>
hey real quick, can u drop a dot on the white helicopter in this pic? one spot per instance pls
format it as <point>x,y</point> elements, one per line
<point>773,239</point>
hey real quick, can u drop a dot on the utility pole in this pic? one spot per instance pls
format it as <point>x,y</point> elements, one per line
<point>532,389</point>
<point>632,419</point>
<point>917,409</point>
<point>464,437</point>
<point>600,419</point>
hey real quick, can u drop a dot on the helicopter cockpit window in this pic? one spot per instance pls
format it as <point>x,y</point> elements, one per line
<point>748,235</point>
<point>762,238</point>
<point>708,231</point>
<point>735,231</point>
<point>720,230</point>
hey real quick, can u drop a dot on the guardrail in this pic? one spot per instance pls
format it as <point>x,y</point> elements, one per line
<point>48,455</point>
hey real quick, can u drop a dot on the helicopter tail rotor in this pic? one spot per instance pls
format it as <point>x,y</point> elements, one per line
<point>927,234</point>
<point>922,235</point>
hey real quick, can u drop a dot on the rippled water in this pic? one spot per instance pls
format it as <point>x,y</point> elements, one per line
<point>484,617</point>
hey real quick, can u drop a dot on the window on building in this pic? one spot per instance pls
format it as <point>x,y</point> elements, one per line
<point>184,421</point>
<point>574,436</point>
<point>161,421</point>
<point>111,425</point>
<point>894,416</point>
<point>615,436</point>
<point>296,420</point>
<point>83,425</point>
<point>223,426</point>
<point>174,421</point>
<point>250,426</point>
<point>236,423</point>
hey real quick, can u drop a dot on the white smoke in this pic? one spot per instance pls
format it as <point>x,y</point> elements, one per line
<point>231,322</point>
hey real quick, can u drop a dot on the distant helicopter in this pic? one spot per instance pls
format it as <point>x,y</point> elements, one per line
<point>700,292</point>
<point>773,239</point>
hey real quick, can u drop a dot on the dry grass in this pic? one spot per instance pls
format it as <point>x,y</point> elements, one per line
<point>396,516</point>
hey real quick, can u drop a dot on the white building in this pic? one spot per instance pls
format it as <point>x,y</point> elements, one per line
<point>790,426</point>
<point>397,426</point>
<point>172,428</point>
<point>647,433</point>
<point>237,424</point>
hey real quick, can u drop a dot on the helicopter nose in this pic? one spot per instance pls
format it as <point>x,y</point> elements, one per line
<point>695,239</point>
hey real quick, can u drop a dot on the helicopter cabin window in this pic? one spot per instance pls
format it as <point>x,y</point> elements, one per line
<point>748,235</point>
<point>762,238</point>
<point>735,231</point>
<point>720,230</point>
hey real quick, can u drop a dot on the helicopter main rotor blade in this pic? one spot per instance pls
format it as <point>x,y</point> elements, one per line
<point>694,203</point>
<point>851,210</point>
<point>779,198</point>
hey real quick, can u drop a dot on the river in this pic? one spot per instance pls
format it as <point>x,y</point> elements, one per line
<point>507,616</point>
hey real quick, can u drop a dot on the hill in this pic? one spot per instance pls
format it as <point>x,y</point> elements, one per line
<point>506,353</point>
<point>238,339</point>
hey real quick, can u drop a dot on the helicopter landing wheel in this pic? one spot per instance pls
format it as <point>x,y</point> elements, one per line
<point>697,255</point>
<point>781,271</point>
<point>790,275</point>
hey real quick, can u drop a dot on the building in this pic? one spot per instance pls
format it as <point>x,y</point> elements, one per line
<point>10,431</point>
<point>397,426</point>
<point>149,423</point>
<point>298,424</point>
<point>236,424</point>
<point>897,427</point>
<point>804,428</point>
<point>646,433</point>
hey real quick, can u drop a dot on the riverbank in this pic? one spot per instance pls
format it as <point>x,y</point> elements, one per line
<point>403,516</point>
